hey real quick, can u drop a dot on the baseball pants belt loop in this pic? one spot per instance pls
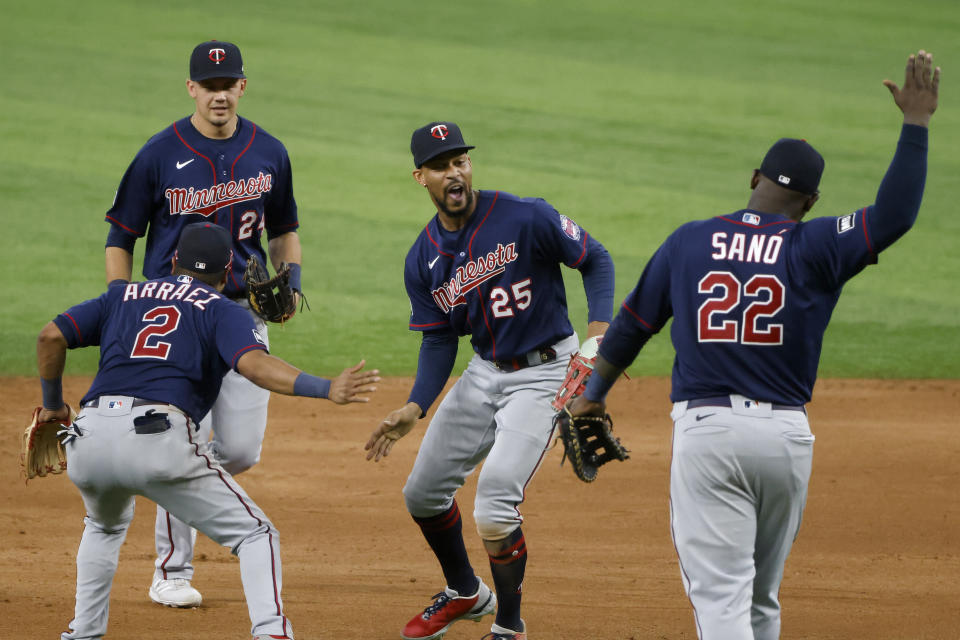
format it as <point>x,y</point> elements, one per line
<point>724,401</point>
<point>529,359</point>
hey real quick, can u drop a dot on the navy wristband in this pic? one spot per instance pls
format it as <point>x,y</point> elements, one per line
<point>597,388</point>
<point>311,386</point>
<point>294,276</point>
<point>52,391</point>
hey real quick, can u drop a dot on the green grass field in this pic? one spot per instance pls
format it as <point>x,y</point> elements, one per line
<point>630,117</point>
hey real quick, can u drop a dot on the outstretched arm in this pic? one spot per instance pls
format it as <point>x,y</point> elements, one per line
<point>272,373</point>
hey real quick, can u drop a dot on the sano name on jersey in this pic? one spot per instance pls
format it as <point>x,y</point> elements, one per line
<point>208,200</point>
<point>471,275</point>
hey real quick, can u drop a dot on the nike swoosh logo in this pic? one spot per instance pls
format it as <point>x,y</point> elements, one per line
<point>706,415</point>
<point>181,165</point>
<point>433,262</point>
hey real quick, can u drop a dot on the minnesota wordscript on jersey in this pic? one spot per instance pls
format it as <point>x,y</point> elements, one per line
<point>498,278</point>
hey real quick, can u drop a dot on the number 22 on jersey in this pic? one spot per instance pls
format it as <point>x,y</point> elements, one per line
<point>726,291</point>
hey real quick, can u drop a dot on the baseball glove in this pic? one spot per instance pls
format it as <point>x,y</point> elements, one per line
<point>40,449</point>
<point>270,298</point>
<point>588,442</point>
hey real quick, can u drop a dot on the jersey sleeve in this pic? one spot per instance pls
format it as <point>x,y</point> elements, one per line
<point>834,249</point>
<point>558,237</point>
<point>425,314</point>
<point>134,201</point>
<point>280,208</point>
<point>81,324</point>
<point>236,333</point>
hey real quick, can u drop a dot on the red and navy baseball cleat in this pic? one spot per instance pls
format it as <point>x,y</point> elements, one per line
<point>449,607</point>
<point>502,633</point>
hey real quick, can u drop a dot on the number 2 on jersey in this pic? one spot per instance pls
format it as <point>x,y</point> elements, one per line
<point>164,321</point>
<point>728,291</point>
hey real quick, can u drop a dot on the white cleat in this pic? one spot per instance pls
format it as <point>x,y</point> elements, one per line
<point>175,593</point>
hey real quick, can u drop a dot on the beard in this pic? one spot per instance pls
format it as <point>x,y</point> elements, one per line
<point>461,211</point>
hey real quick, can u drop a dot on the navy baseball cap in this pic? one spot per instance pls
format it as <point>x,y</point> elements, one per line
<point>434,139</point>
<point>215,59</point>
<point>793,164</point>
<point>204,247</point>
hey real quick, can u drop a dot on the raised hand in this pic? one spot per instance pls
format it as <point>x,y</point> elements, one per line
<point>346,387</point>
<point>921,86</point>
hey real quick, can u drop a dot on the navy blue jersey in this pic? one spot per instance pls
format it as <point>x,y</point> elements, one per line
<point>170,340</point>
<point>179,177</point>
<point>751,294</point>
<point>498,279</point>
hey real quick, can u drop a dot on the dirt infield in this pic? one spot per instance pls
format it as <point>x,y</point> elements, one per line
<point>878,554</point>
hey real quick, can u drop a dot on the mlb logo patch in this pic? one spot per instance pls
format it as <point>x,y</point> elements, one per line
<point>114,404</point>
<point>751,218</point>
<point>845,223</point>
<point>184,279</point>
<point>782,179</point>
<point>570,228</point>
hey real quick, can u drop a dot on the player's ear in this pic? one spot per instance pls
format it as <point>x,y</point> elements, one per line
<point>418,176</point>
<point>192,88</point>
<point>810,201</point>
<point>243,86</point>
<point>755,180</point>
<point>223,281</point>
<point>173,265</point>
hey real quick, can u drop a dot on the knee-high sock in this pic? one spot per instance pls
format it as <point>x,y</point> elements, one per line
<point>444,534</point>
<point>507,565</point>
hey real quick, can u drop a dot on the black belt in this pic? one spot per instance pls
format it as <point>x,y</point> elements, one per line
<point>137,402</point>
<point>724,401</point>
<point>529,359</point>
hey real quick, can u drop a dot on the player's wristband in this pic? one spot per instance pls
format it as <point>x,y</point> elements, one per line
<point>597,387</point>
<point>311,386</point>
<point>294,276</point>
<point>52,391</point>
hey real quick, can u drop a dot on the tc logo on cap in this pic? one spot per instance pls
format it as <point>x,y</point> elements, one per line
<point>217,55</point>
<point>440,131</point>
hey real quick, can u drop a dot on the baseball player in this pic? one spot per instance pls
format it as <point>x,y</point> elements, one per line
<point>218,167</point>
<point>487,265</point>
<point>164,347</point>
<point>751,294</point>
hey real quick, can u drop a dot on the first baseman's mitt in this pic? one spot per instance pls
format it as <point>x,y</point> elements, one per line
<point>588,442</point>
<point>40,449</point>
<point>270,298</point>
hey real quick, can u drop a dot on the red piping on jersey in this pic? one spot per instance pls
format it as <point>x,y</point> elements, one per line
<point>756,226</point>
<point>163,565</point>
<point>866,234</point>
<point>431,324</point>
<point>76,327</point>
<point>483,307</point>
<point>236,356</point>
<point>639,319</point>
<point>443,253</point>
<point>212,168</point>
<point>124,227</point>
<point>574,265</point>
<point>496,194</point>
<point>232,166</point>
<point>260,523</point>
